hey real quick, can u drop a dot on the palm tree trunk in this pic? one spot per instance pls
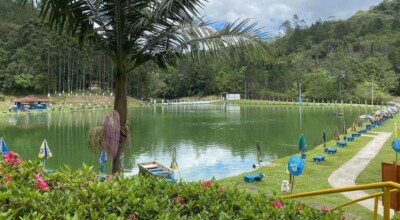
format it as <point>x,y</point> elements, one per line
<point>121,84</point>
<point>121,106</point>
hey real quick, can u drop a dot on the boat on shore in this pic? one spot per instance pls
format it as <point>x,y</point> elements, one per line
<point>156,169</point>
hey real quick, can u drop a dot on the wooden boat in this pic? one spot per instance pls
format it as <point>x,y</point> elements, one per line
<point>156,169</point>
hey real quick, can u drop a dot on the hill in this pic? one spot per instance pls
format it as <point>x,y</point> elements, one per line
<point>357,58</point>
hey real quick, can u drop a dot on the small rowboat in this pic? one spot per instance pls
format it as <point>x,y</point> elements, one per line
<point>155,169</point>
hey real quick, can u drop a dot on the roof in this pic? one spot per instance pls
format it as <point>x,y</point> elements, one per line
<point>31,99</point>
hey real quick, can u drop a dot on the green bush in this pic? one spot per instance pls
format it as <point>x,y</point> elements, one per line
<point>81,195</point>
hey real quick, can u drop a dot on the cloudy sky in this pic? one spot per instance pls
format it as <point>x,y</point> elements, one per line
<point>270,14</point>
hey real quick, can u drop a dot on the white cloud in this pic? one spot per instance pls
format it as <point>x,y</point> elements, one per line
<point>271,13</point>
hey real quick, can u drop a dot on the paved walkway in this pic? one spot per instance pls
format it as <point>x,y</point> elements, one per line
<point>348,172</point>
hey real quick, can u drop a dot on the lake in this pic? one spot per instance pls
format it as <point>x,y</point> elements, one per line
<point>212,140</point>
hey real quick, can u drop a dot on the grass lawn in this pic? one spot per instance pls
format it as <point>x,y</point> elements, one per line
<point>315,175</point>
<point>372,173</point>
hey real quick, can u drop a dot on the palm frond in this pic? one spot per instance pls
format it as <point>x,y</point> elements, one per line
<point>134,32</point>
<point>196,38</point>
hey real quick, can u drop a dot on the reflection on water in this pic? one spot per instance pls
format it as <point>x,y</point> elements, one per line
<point>195,164</point>
<point>211,140</point>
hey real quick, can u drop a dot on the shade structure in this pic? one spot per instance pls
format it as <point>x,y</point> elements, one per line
<point>4,149</point>
<point>396,145</point>
<point>103,157</point>
<point>259,154</point>
<point>44,151</point>
<point>295,165</point>
<point>302,143</point>
<point>174,164</point>
<point>324,138</point>
<point>366,117</point>
<point>381,112</point>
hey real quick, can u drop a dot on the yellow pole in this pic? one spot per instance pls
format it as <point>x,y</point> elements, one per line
<point>395,129</point>
<point>386,203</point>
<point>363,198</point>
<point>376,208</point>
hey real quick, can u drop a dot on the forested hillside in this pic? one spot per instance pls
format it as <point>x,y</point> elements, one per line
<point>353,59</point>
<point>34,59</point>
<point>342,59</point>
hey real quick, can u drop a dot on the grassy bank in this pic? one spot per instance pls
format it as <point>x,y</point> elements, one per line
<point>372,173</point>
<point>315,175</point>
<point>73,99</point>
<point>312,104</point>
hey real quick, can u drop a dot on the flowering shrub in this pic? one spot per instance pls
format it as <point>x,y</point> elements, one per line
<point>181,200</point>
<point>28,193</point>
<point>277,204</point>
<point>41,184</point>
<point>12,158</point>
<point>206,184</point>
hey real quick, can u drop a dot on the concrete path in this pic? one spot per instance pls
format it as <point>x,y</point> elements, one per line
<point>348,172</point>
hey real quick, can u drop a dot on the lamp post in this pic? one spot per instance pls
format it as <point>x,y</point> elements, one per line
<point>372,93</point>
<point>300,99</point>
<point>341,77</point>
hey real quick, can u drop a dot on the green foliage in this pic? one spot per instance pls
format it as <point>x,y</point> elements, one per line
<point>24,80</point>
<point>81,195</point>
<point>232,82</point>
<point>317,86</point>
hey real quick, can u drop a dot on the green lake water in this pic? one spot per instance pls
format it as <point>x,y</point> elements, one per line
<point>211,140</point>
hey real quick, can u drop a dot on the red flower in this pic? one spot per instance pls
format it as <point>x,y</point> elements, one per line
<point>278,204</point>
<point>109,176</point>
<point>206,184</point>
<point>324,209</point>
<point>181,200</point>
<point>42,185</point>
<point>12,158</point>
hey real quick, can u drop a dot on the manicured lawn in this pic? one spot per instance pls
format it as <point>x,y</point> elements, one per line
<point>372,173</point>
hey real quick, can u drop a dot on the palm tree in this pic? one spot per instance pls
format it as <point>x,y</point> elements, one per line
<point>132,32</point>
